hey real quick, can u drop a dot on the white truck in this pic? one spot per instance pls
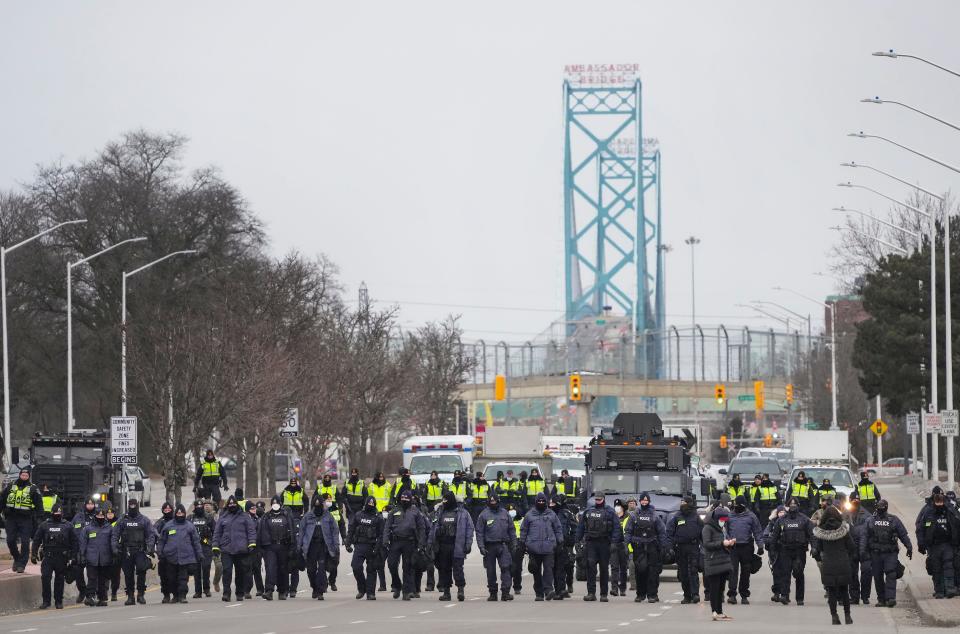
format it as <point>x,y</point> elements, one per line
<point>517,448</point>
<point>820,446</point>
<point>443,454</point>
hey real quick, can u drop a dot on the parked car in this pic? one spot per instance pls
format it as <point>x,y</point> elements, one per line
<point>750,466</point>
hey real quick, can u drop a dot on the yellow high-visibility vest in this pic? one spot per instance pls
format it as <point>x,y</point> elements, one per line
<point>20,499</point>
<point>867,492</point>
<point>459,490</point>
<point>380,493</point>
<point>562,488</point>
<point>434,492</point>
<point>325,490</point>
<point>48,502</point>
<point>798,490</point>
<point>292,499</point>
<point>479,492</point>
<point>534,487</point>
<point>211,469</point>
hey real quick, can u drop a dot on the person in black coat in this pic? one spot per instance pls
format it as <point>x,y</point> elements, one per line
<point>717,564</point>
<point>834,548</point>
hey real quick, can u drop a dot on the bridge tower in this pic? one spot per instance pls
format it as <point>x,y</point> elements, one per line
<point>612,212</point>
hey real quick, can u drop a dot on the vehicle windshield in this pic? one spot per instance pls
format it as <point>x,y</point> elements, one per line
<point>837,477</point>
<point>490,472</point>
<point>660,483</point>
<point>614,482</point>
<point>83,455</point>
<point>752,467</point>
<point>573,463</point>
<point>426,463</point>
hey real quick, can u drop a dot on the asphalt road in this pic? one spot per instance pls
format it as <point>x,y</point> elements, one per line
<point>340,612</point>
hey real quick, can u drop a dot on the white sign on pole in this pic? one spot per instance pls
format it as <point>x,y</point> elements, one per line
<point>123,440</point>
<point>932,423</point>
<point>951,422</point>
<point>913,423</point>
<point>290,428</point>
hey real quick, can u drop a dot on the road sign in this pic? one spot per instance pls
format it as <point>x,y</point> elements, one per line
<point>951,422</point>
<point>290,428</point>
<point>879,428</point>
<point>746,397</point>
<point>932,423</point>
<point>913,423</point>
<point>123,440</point>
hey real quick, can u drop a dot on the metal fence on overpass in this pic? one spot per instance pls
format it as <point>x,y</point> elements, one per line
<point>716,353</point>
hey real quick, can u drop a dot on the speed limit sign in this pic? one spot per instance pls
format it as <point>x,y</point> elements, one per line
<point>291,424</point>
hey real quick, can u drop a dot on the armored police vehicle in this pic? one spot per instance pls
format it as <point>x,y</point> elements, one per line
<point>76,466</point>
<point>635,457</point>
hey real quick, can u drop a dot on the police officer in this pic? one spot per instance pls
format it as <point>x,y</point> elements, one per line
<point>621,557</point>
<point>535,484</point>
<point>293,499</point>
<point>21,504</point>
<point>598,530</point>
<point>83,517</point>
<point>511,492</point>
<point>423,562</point>
<point>743,526</point>
<point>432,491</point>
<point>936,536</point>
<point>451,540</point>
<point>647,535</point>
<point>541,535</point>
<point>55,543</point>
<point>179,544</point>
<point>803,491</point>
<point>502,488</point>
<point>334,510</point>
<point>566,486</point>
<point>868,492</point>
<point>204,523</point>
<point>402,483</point>
<point>402,537</point>
<point>765,498</point>
<point>563,564</point>
<point>496,540</point>
<point>684,536</point>
<point>48,498</point>
<point>95,553</point>
<point>363,538</point>
<point>319,541</point>
<point>166,515</point>
<point>861,572</point>
<point>115,566</point>
<point>134,539</point>
<point>826,492</point>
<point>234,538</point>
<point>354,493</point>
<point>790,538</point>
<point>380,491</point>
<point>479,491</point>
<point>210,477</point>
<point>736,488</point>
<point>275,539</point>
<point>458,486</point>
<point>880,544</point>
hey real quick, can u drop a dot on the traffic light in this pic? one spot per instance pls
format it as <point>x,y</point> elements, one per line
<point>720,393</point>
<point>575,393</point>
<point>723,442</point>
<point>768,440</point>
<point>789,393</point>
<point>500,387</point>
<point>758,394</point>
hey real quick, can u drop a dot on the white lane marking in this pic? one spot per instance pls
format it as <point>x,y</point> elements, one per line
<point>148,616</point>
<point>474,598</point>
<point>356,622</point>
<point>402,616</point>
<point>679,593</point>
<point>655,614</point>
<point>318,627</point>
<point>233,605</point>
<point>452,605</point>
<point>191,611</point>
<point>624,623</point>
<point>601,630</point>
<point>29,629</point>
<point>639,620</point>
<point>90,623</point>
<point>666,607</point>
<point>426,611</point>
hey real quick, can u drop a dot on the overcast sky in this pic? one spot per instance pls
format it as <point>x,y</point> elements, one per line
<point>419,144</point>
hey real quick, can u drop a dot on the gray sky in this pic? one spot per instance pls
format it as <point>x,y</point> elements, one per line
<point>419,144</point>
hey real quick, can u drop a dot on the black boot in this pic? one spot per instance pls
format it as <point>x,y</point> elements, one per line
<point>445,596</point>
<point>846,616</point>
<point>836,619</point>
<point>141,599</point>
<point>130,600</point>
<point>493,596</point>
<point>460,595</point>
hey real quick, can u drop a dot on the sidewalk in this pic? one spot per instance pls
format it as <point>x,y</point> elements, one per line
<point>906,498</point>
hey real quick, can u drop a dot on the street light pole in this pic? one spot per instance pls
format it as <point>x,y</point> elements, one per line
<point>894,55</point>
<point>693,242</point>
<point>123,324</point>
<point>934,469</point>
<point>809,350</point>
<point>7,449</point>
<point>70,267</point>
<point>833,349</point>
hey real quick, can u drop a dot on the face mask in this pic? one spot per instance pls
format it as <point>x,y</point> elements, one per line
<point>792,511</point>
<point>598,503</point>
<point>274,507</point>
<point>132,511</point>
<point>327,504</point>
<point>618,509</point>
<point>385,515</point>
<point>512,513</point>
<point>181,518</point>
<point>940,509</point>
<point>99,520</point>
<point>722,523</point>
<point>781,513</point>
<point>541,506</point>
<point>405,503</point>
<point>168,513</point>
<point>233,508</point>
<point>326,482</point>
<point>449,504</point>
<point>354,477</point>
<point>739,508</point>
<point>198,511</point>
<point>492,505</point>
<point>684,507</point>
<point>57,517</point>
<point>371,508</point>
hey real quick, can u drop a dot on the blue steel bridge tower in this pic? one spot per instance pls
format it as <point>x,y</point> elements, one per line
<point>612,213</point>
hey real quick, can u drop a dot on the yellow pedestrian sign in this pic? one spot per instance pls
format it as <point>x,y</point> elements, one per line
<point>878,427</point>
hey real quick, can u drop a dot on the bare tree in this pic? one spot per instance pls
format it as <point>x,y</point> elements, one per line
<point>440,367</point>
